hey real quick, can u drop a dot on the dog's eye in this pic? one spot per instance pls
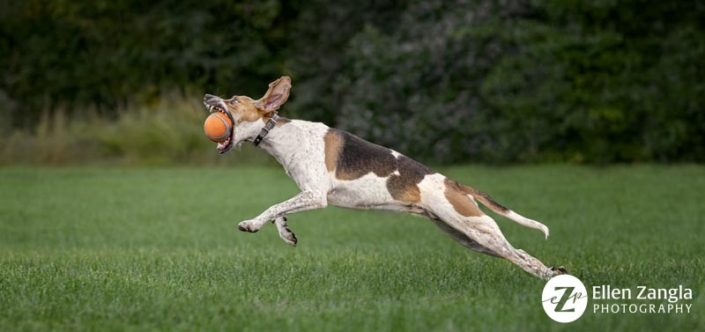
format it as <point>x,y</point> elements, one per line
<point>233,101</point>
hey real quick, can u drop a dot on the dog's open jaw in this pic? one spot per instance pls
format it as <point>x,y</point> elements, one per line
<point>217,105</point>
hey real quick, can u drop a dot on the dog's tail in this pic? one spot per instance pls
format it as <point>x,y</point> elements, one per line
<point>487,201</point>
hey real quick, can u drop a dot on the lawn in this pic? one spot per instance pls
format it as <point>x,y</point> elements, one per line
<point>135,249</point>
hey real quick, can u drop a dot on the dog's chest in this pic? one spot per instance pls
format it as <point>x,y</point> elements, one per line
<point>298,146</point>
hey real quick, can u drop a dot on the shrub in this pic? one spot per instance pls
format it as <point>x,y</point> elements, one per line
<point>522,81</point>
<point>169,133</point>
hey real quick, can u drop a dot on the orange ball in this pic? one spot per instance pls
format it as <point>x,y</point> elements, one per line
<point>218,127</point>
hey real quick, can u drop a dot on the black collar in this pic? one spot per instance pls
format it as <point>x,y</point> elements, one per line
<point>267,127</point>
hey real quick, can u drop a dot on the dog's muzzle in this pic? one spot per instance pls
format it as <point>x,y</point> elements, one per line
<point>216,104</point>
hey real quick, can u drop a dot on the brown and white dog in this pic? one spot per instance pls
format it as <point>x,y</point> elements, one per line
<point>334,167</point>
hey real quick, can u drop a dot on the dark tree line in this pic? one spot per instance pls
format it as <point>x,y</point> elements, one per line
<point>446,81</point>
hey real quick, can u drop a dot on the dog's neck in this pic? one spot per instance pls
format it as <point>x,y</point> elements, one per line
<point>292,143</point>
<point>248,132</point>
<point>283,141</point>
<point>265,130</point>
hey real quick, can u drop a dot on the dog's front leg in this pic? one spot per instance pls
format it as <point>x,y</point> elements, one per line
<point>306,200</point>
<point>284,232</point>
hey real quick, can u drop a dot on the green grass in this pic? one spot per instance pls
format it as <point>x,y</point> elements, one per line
<point>126,249</point>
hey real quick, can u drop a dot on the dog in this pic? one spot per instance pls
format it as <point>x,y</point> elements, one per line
<point>334,167</point>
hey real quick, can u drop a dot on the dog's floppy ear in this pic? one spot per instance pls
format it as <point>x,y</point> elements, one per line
<point>276,96</point>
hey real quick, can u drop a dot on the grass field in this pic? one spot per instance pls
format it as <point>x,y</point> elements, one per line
<point>128,249</point>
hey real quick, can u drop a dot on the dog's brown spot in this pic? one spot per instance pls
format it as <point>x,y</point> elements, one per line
<point>404,187</point>
<point>244,110</point>
<point>357,157</point>
<point>333,144</point>
<point>456,194</point>
<point>488,201</point>
<point>352,157</point>
<point>482,197</point>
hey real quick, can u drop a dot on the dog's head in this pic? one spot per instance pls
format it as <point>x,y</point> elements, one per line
<point>248,114</point>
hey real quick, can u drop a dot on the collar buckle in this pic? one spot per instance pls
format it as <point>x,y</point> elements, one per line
<point>267,127</point>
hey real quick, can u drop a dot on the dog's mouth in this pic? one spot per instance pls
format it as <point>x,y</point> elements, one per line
<point>224,147</point>
<point>216,104</point>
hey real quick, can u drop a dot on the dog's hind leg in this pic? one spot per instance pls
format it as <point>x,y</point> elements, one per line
<point>284,232</point>
<point>482,234</point>
<point>461,238</point>
<point>455,212</point>
<point>487,234</point>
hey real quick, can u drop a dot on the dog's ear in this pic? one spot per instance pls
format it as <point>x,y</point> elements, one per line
<point>276,96</point>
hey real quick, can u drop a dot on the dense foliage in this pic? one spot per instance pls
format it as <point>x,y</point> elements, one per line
<point>445,81</point>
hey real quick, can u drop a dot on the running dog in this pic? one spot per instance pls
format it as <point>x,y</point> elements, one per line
<point>334,167</point>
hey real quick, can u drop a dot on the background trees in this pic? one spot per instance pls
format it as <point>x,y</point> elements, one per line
<point>445,81</point>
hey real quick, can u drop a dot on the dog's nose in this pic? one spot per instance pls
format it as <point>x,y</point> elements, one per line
<point>208,97</point>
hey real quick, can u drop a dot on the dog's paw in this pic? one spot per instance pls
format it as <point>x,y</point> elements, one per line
<point>558,270</point>
<point>289,238</point>
<point>284,232</point>
<point>250,226</point>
